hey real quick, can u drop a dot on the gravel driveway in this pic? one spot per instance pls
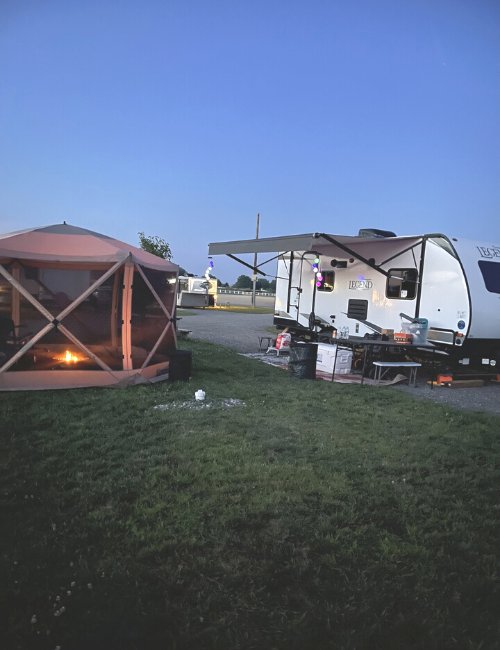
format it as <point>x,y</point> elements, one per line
<point>234,330</point>
<point>241,333</point>
<point>485,399</point>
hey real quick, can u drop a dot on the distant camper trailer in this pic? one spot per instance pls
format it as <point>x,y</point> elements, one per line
<point>433,288</point>
<point>195,291</point>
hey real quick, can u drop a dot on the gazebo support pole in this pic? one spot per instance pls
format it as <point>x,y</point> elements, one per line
<point>128,279</point>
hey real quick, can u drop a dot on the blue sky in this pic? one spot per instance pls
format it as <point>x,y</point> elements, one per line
<point>184,118</point>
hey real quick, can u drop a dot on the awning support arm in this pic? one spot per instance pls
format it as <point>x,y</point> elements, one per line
<point>271,259</point>
<point>389,259</point>
<point>250,266</point>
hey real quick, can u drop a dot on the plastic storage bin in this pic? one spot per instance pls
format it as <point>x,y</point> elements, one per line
<point>418,329</point>
<point>326,359</point>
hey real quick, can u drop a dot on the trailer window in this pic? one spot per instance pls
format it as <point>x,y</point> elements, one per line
<point>402,284</point>
<point>327,282</point>
<point>491,275</point>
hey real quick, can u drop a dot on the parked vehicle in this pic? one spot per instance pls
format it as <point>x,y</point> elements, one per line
<point>445,288</point>
<point>194,291</point>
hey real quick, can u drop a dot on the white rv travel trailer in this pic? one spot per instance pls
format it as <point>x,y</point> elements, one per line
<point>448,288</point>
<point>194,291</point>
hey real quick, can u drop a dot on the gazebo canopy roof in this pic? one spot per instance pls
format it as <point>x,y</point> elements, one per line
<point>65,243</point>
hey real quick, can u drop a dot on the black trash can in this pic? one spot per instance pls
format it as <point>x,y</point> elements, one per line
<point>302,360</point>
<point>180,365</point>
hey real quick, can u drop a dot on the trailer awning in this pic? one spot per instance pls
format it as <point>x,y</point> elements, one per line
<point>305,242</point>
<point>310,242</point>
<point>373,251</point>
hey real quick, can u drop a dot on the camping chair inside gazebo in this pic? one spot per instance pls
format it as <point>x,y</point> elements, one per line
<point>10,342</point>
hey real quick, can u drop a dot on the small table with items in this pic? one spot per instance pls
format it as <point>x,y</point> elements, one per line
<point>368,346</point>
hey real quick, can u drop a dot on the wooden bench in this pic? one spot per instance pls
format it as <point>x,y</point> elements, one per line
<point>381,367</point>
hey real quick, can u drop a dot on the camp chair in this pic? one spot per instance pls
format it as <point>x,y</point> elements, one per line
<point>10,342</point>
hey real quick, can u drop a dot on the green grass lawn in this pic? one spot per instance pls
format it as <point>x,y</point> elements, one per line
<point>313,516</point>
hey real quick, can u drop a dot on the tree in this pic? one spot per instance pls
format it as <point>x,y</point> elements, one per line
<point>243,282</point>
<point>262,284</point>
<point>155,245</point>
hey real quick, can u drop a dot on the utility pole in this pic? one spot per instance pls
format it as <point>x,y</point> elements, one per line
<point>254,277</point>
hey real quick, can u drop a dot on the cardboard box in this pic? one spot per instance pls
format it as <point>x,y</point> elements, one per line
<point>326,359</point>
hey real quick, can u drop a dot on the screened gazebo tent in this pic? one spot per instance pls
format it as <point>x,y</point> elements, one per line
<point>78,308</point>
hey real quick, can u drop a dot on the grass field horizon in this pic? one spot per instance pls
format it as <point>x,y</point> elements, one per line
<point>281,513</point>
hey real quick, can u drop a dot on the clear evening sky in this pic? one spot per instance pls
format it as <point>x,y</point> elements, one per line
<point>185,118</point>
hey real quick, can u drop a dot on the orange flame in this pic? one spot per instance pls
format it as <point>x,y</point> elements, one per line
<point>69,357</point>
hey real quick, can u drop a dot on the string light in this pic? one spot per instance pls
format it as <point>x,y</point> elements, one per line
<point>209,270</point>
<point>317,272</point>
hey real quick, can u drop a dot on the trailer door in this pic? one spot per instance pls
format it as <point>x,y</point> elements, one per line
<point>295,287</point>
<point>305,291</point>
<point>288,288</point>
<point>293,299</point>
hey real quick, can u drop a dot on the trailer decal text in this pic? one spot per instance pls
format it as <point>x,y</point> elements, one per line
<point>360,284</point>
<point>489,251</point>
